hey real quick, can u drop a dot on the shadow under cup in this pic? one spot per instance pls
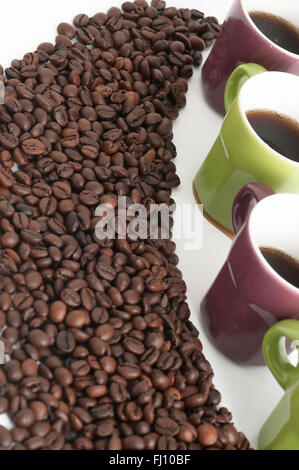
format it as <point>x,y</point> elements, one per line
<point>240,41</point>
<point>239,156</point>
<point>248,296</point>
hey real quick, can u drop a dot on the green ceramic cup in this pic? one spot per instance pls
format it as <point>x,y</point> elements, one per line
<point>281,430</point>
<point>239,156</point>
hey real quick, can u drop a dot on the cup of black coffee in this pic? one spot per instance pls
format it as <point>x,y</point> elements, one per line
<point>258,141</point>
<point>262,31</point>
<point>259,283</point>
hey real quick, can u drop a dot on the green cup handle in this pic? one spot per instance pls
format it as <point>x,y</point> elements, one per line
<point>237,79</point>
<point>275,352</point>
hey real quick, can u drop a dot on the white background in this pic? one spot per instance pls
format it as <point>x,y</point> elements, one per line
<point>251,393</point>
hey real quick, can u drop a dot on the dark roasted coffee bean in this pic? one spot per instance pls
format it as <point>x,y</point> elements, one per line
<point>65,342</point>
<point>207,435</point>
<point>106,112</point>
<point>106,272</point>
<point>118,392</point>
<point>133,442</point>
<point>134,345</point>
<point>6,178</point>
<point>24,418</point>
<point>39,339</point>
<point>129,371</point>
<point>166,427</point>
<point>8,141</point>
<point>31,236</point>
<point>33,147</point>
<point>20,220</point>
<point>5,438</point>
<point>136,118</point>
<point>66,30</point>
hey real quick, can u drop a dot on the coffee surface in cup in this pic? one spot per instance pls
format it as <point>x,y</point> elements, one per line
<point>278,30</point>
<point>285,265</point>
<point>278,131</point>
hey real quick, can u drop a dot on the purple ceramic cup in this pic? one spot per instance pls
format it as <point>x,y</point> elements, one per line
<point>248,296</point>
<point>240,41</point>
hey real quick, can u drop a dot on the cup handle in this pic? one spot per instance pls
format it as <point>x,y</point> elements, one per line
<point>275,352</point>
<point>237,79</point>
<point>246,199</point>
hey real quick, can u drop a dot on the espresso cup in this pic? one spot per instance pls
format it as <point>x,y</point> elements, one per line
<point>239,156</point>
<point>248,295</point>
<point>281,430</point>
<point>240,41</point>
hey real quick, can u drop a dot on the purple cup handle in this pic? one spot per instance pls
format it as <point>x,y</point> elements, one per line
<point>246,199</point>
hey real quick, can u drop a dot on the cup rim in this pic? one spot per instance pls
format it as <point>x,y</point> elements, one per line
<point>257,30</point>
<point>248,125</point>
<point>256,248</point>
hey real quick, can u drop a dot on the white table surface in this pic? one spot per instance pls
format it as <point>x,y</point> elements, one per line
<point>250,393</point>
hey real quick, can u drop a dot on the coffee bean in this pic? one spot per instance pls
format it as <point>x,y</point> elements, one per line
<point>30,367</point>
<point>167,426</point>
<point>70,298</point>
<point>31,237</point>
<point>40,410</point>
<point>105,112</point>
<point>10,240</point>
<point>70,138</point>
<point>197,43</point>
<point>133,443</point>
<point>33,147</point>
<point>131,297</point>
<point>166,443</point>
<point>35,443</point>
<point>65,342</point>
<point>185,435</point>
<point>105,332</point>
<point>48,206</point>
<point>62,190</point>
<point>5,438</point>
<point>8,141</point>
<point>88,299</point>
<point>63,376</point>
<point>106,272</point>
<point>76,319</point>
<point>136,118</point>
<point>129,371</point>
<point>118,392</point>
<point>207,435</point>
<point>66,30</point>
<point>6,178</point>
<point>133,345</point>
<point>114,444</point>
<point>108,364</point>
<point>58,311</point>
<point>4,404</point>
<point>33,280</point>
<point>24,418</point>
<point>39,339</point>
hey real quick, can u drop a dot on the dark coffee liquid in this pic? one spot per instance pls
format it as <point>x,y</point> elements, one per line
<point>286,266</point>
<point>280,132</point>
<point>278,30</point>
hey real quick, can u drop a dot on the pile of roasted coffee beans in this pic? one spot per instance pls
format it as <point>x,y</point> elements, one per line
<point>100,352</point>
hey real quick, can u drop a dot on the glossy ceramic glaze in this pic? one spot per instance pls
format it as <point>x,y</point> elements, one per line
<point>239,156</point>
<point>281,430</point>
<point>240,41</point>
<point>248,296</point>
